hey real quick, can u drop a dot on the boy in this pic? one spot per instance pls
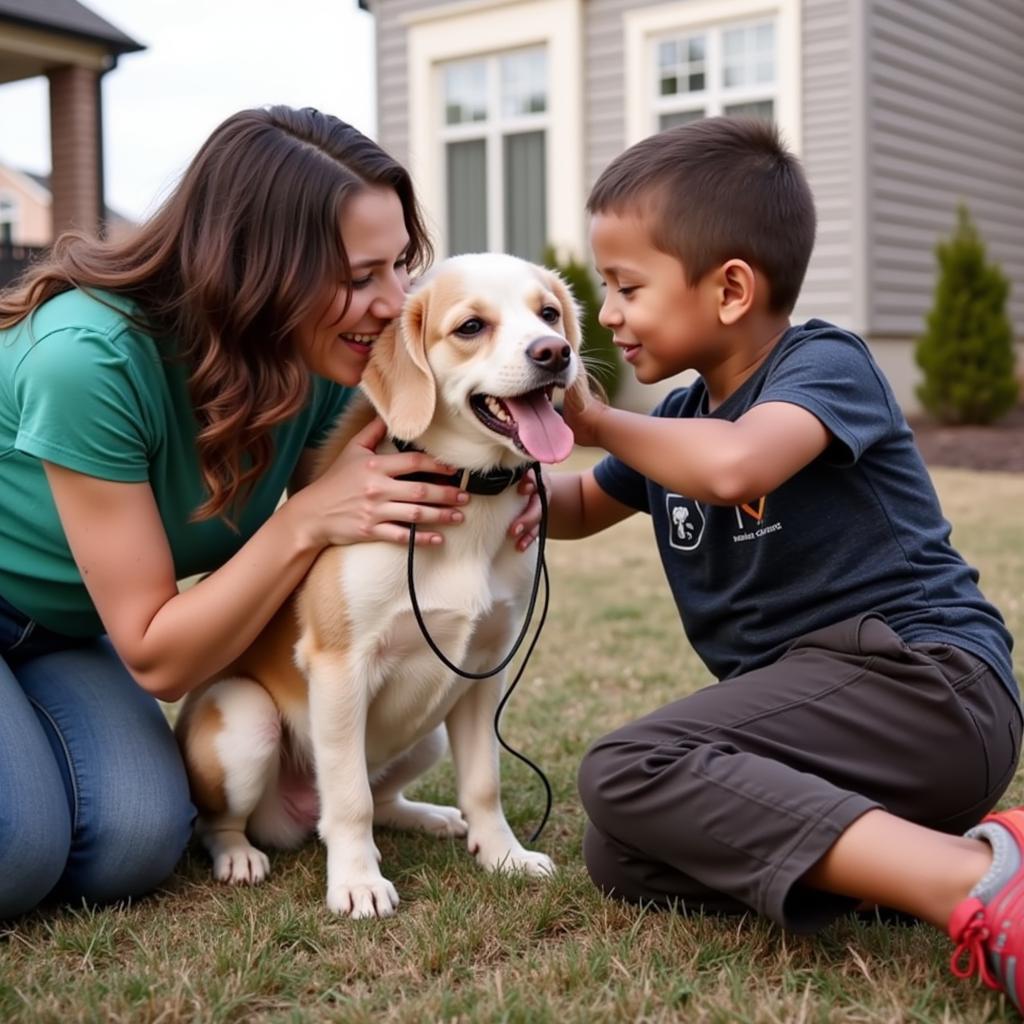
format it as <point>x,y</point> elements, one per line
<point>866,713</point>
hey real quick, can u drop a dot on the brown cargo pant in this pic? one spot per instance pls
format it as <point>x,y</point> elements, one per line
<point>724,799</point>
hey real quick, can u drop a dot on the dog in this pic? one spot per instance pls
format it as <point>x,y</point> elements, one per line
<point>339,704</point>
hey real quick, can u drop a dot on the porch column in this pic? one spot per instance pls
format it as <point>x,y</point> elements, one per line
<point>75,179</point>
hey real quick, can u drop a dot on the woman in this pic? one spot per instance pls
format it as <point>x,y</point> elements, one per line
<point>156,397</point>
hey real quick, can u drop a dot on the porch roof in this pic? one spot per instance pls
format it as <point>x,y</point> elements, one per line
<point>68,18</point>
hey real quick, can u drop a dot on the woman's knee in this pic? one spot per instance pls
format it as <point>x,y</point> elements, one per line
<point>35,841</point>
<point>132,846</point>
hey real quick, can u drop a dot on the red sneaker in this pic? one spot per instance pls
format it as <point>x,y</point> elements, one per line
<point>990,934</point>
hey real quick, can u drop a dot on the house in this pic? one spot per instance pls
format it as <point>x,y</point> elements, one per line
<point>26,210</point>
<point>74,48</point>
<point>506,111</point>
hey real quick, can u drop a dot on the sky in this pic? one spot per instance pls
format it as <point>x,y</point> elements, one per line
<point>204,60</point>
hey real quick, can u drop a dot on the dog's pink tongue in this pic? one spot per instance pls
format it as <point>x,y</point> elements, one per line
<point>542,432</point>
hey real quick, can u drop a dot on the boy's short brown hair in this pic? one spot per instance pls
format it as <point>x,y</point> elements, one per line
<point>717,189</point>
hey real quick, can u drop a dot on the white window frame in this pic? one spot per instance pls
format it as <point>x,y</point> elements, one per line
<point>481,28</point>
<point>495,127</point>
<point>646,27</point>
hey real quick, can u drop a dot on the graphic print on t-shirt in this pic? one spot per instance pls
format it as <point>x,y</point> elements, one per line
<point>686,522</point>
<point>750,518</point>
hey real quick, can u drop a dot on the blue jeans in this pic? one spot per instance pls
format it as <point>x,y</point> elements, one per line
<point>94,800</point>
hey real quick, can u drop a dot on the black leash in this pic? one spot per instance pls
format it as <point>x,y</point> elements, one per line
<point>541,570</point>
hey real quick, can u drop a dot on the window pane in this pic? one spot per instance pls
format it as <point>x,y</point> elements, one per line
<point>681,66</point>
<point>525,195</point>
<point>732,42</point>
<point>748,55</point>
<point>467,196</point>
<point>679,117</point>
<point>764,109</point>
<point>524,82</point>
<point>465,92</point>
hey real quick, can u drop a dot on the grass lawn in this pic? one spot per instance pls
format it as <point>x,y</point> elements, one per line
<point>468,947</point>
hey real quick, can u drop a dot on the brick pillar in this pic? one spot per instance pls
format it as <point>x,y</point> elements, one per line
<point>75,148</point>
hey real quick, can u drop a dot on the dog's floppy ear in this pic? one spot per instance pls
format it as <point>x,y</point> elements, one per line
<point>398,378</point>
<point>582,386</point>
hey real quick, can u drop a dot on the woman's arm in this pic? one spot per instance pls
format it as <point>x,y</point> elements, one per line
<point>172,642</point>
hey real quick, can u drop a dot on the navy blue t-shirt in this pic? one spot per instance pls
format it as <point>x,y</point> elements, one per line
<point>857,530</point>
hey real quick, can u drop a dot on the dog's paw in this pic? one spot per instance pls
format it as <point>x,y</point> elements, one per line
<point>539,865</point>
<point>499,850</point>
<point>444,822</point>
<point>241,865</point>
<point>368,897</point>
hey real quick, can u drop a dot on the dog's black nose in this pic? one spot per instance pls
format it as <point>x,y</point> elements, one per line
<point>551,353</point>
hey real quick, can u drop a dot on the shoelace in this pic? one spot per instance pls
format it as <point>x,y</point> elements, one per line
<point>972,945</point>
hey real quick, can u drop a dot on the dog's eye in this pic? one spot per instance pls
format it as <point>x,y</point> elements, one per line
<point>550,315</point>
<point>471,327</point>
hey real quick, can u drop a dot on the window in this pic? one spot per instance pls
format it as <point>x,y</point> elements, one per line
<point>684,61</point>
<point>494,133</point>
<point>512,178</point>
<point>722,69</point>
<point>8,218</point>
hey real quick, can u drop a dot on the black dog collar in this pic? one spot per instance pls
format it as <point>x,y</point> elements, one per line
<point>494,481</point>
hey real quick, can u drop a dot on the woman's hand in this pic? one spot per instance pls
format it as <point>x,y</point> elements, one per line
<point>359,498</point>
<point>583,411</point>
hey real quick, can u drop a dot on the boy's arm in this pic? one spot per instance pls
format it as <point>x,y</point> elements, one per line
<point>578,506</point>
<point>712,460</point>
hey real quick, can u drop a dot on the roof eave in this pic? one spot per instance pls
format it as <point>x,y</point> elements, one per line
<point>115,46</point>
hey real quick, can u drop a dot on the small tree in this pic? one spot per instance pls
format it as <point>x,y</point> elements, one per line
<point>966,352</point>
<point>600,355</point>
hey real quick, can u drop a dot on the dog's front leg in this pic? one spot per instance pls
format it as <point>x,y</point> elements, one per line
<point>338,699</point>
<point>475,753</point>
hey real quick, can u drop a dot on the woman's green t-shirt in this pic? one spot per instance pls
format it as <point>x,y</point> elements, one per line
<point>82,387</point>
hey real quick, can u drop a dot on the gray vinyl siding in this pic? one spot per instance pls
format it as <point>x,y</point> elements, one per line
<point>831,160</point>
<point>392,73</point>
<point>945,96</point>
<point>604,86</point>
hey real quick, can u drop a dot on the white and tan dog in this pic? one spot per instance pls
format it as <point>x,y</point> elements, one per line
<point>341,689</point>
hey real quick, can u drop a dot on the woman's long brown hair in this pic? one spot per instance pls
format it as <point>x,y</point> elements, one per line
<point>225,271</point>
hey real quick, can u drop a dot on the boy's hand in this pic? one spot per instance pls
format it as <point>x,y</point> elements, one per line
<point>583,410</point>
<point>525,526</point>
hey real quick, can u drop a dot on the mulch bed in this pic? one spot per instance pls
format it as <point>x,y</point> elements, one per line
<point>997,447</point>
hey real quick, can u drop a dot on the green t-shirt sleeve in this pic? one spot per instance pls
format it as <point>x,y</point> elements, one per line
<point>79,405</point>
<point>330,400</point>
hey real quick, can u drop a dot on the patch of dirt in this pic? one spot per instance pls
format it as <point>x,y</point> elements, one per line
<point>997,447</point>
